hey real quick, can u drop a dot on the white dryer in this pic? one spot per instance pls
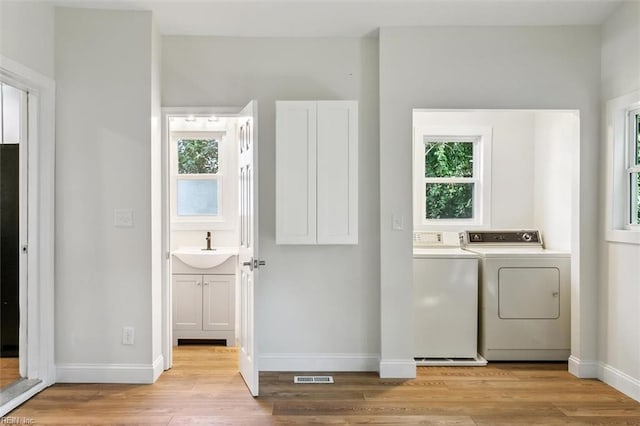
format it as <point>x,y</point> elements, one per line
<point>524,296</point>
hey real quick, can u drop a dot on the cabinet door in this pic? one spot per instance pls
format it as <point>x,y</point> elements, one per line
<point>187,302</point>
<point>218,302</point>
<point>295,172</point>
<point>337,170</point>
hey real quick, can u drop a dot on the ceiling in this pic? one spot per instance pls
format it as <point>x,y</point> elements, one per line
<point>349,18</point>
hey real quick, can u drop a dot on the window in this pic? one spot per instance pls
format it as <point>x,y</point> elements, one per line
<point>451,179</point>
<point>633,167</point>
<point>200,169</point>
<point>623,169</point>
<point>197,183</point>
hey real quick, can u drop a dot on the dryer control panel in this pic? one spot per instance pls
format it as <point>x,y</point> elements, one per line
<point>527,238</point>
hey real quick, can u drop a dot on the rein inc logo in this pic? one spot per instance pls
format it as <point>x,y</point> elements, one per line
<point>9,420</point>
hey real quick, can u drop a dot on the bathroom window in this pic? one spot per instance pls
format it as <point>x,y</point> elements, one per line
<point>451,183</point>
<point>198,182</point>
<point>199,172</point>
<point>633,167</point>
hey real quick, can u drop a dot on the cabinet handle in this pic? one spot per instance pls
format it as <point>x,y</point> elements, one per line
<point>206,283</point>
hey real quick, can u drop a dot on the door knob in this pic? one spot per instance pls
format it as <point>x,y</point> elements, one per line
<point>249,264</point>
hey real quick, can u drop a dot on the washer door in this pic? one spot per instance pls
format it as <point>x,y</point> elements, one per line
<point>528,293</point>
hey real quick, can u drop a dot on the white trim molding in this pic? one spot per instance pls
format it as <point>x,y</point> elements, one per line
<point>40,241</point>
<point>620,381</point>
<point>583,369</point>
<point>318,362</point>
<point>613,377</point>
<point>397,369</point>
<point>110,373</point>
<point>616,189</point>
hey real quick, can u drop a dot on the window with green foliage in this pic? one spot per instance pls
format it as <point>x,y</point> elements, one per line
<point>448,172</point>
<point>449,177</point>
<point>633,167</point>
<point>197,156</point>
<point>198,180</point>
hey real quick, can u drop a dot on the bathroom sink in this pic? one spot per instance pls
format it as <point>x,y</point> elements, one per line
<point>204,259</point>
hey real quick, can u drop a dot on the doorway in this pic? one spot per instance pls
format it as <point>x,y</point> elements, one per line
<point>27,244</point>
<point>13,230</point>
<point>207,230</point>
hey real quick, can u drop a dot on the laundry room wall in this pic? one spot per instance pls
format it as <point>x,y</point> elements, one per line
<point>492,68</point>
<point>619,296</point>
<point>556,139</point>
<point>512,165</point>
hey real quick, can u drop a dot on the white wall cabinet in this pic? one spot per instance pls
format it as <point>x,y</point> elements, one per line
<point>203,307</point>
<point>316,172</point>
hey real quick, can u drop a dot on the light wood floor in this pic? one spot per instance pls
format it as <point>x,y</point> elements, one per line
<point>9,371</point>
<point>204,387</point>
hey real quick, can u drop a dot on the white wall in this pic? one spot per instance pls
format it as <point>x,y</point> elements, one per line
<point>315,306</point>
<point>531,167</point>
<point>556,137</point>
<point>103,162</point>
<point>27,34</point>
<point>481,68</point>
<point>512,165</point>
<point>619,320</point>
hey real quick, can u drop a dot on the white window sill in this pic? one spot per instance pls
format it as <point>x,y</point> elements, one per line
<point>201,225</point>
<point>626,236</point>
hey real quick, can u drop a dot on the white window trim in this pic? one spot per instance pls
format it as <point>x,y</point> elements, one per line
<point>632,167</point>
<point>482,137</point>
<point>618,154</point>
<point>220,221</point>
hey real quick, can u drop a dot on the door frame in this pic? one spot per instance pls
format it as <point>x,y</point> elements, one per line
<point>39,300</point>
<point>167,112</point>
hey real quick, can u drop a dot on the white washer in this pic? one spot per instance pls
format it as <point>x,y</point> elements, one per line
<point>524,296</point>
<point>445,307</point>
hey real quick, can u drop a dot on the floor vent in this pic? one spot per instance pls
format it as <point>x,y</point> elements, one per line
<point>312,379</point>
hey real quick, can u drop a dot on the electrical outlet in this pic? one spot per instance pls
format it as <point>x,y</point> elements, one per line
<point>128,335</point>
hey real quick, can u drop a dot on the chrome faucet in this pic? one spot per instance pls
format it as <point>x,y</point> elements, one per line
<point>208,241</point>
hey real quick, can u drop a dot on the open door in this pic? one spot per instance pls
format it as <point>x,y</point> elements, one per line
<point>248,252</point>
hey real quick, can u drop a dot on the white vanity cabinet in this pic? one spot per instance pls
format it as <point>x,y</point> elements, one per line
<point>316,172</point>
<point>203,303</point>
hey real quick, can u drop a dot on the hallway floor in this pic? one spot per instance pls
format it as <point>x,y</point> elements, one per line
<point>204,387</point>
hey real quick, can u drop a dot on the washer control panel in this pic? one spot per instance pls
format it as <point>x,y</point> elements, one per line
<point>520,238</point>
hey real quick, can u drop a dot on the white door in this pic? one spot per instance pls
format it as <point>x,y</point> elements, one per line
<point>248,253</point>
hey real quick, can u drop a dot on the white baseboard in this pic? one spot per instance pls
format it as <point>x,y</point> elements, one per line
<point>109,373</point>
<point>620,381</point>
<point>584,369</point>
<point>318,362</point>
<point>158,367</point>
<point>397,369</point>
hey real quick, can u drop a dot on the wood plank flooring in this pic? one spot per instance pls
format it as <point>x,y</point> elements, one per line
<point>9,371</point>
<point>205,388</point>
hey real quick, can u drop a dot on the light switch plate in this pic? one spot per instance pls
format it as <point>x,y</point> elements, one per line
<point>123,218</point>
<point>398,222</point>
